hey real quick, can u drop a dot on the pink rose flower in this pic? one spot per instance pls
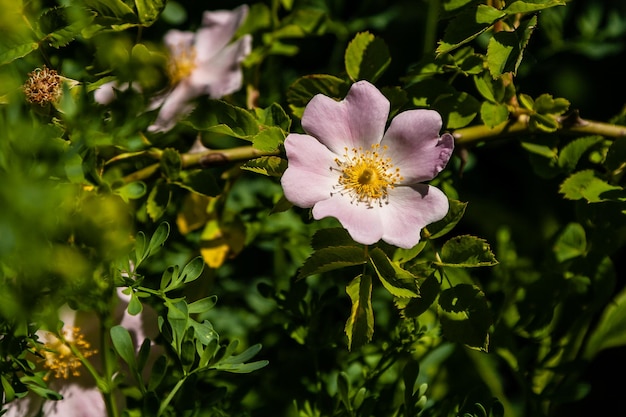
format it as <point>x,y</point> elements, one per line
<point>202,63</point>
<point>348,167</point>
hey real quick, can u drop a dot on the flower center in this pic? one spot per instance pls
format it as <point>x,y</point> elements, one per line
<point>59,356</point>
<point>182,63</point>
<point>366,175</point>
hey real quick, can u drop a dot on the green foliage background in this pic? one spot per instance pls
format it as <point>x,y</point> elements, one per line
<point>512,305</point>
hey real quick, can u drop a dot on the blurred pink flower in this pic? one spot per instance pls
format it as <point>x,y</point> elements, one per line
<point>348,167</point>
<point>67,376</point>
<point>202,63</point>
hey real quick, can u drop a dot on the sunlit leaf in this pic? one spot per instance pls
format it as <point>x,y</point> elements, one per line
<point>529,6</point>
<point>492,114</point>
<point>360,325</point>
<point>505,49</point>
<point>149,10</point>
<point>399,282</point>
<point>467,251</point>
<point>158,200</point>
<point>366,57</point>
<point>585,184</point>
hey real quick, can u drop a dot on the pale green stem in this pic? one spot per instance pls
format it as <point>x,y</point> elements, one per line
<point>170,396</point>
<point>521,126</point>
<point>203,159</point>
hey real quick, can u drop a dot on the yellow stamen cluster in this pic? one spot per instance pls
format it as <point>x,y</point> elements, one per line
<point>182,63</point>
<point>43,86</point>
<point>59,357</point>
<point>366,175</point>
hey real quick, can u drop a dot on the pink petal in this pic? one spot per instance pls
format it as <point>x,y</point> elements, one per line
<point>222,75</point>
<point>78,401</point>
<point>356,121</point>
<point>308,178</point>
<point>415,146</point>
<point>174,107</point>
<point>178,41</point>
<point>410,209</point>
<point>363,223</point>
<point>28,406</point>
<point>218,28</point>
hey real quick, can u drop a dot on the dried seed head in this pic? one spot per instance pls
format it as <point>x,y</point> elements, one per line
<point>43,86</point>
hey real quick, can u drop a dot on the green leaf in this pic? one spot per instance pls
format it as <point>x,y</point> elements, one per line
<point>465,316</point>
<point>7,390</point>
<point>609,331</point>
<point>490,89</point>
<point>132,191</point>
<point>171,164</point>
<point>334,236</point>
<point>401,255</point>
<point>360,325</point>
<point>268,139</point>
<point>157,373</point>
<point>148,11</point>
<point>123,344</point>
<point>18,51</point>
<point>158,238</point>
<point>169,276</point>
<point>571,153</point>
<point>201,181</point>
<point>242,368</point>
<point>158,200</point>
<point>134,305</point>
<point>585,184</point>
<point>202,305</point>
<point>460,109</point>
<point>453,216</point>
<point>399,282</point>
<point>571,243</point>
<point>63,24</point>
<point>414,307</point>
<point>331,258</point>
<point>274,115</point>
<point>493,114</point>
<point>178,318</point>
<point>111,9</point>
<point>45,393</point>
<point>243,356</point>
<point>467,251</point>
<point>546,104</point>
<point>467,25</point>
<point>305,88</point>
<point>220,118</point>
<point>192,270</point>
<point>366,57</point>
<point>505,49</point>
<point>272,166</point>
<point>529,6</point>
